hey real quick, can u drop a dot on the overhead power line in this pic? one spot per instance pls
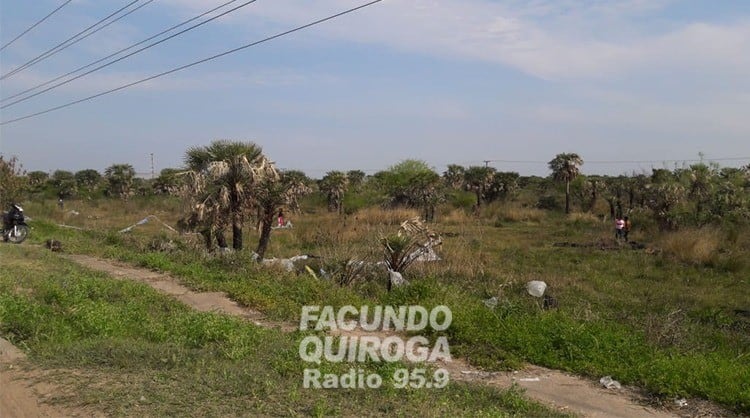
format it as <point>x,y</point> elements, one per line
<point>192,64</point>
<point>127,56</point>
<point>46,83</point>
<point>34,25</point>
<point>76,38</point>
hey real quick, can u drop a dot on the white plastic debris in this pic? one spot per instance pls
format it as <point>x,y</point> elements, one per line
<point>529,379</point>
<point>396,278</point>
<point>536,288</point>
<point>285,263</point>
<point>491,302</point>
<point>610,383</point>
<point>682,402</point>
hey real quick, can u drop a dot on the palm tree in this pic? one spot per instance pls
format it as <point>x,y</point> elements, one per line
<point>478,179</point>
<point>334,185</point>
<point>701,179</point>
<point>565,167</point>
<point>454,176</point>
<point>233,169</point>
<point>119,180</point>
<point>299,185</point>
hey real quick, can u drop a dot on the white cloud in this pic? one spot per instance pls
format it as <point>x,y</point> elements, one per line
<point>544,38</point>
<point>97,82</point>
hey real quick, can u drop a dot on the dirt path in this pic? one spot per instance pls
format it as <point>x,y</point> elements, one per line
<point>18,396</point>
<point>563,391</point>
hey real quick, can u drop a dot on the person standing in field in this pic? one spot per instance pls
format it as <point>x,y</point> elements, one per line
<point>626,228</point>
<point>281,218</point>
<point>619,225</point>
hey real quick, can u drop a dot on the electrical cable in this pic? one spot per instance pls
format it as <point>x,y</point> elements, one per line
<point>72,40</point>
<point>62,83</point>
<point>46,83</point>
<point>34,25</point>
<point>192,64</point>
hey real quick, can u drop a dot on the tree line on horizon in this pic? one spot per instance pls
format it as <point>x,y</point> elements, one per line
<point>227,182</point>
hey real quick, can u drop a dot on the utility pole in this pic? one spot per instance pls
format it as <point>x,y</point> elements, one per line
<point>152,166</point>
<point>487,163</point>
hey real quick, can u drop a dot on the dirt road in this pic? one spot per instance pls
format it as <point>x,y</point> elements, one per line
<point>564,391</point>
<point>20,397</point>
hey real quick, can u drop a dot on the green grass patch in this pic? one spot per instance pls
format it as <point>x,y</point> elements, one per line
<point>124,349</point>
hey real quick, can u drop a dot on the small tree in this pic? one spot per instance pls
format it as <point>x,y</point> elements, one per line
<point>169,181</point>
<point>565,168</point>
<point>356,178</point>
<point>11,181</point>
<point>88,179</point>
<point>412,183</point>
<point>299,185</point>
<point>478,180</point>
<point>119,178</point>
<point>64,183</point>
<point>454,176</point>
<point>37,180</point>
<point>504,185</point>
<point>334,184</point>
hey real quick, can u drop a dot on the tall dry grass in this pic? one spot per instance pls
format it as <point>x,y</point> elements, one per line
<point>512,212</point>
<point>692,246</point>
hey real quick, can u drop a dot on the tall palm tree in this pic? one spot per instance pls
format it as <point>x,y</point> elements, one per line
<point>233,170</point>
<point>334,185</point>
<point>565,167</point>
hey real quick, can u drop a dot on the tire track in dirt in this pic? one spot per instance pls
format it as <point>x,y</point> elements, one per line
<point>563,391</point>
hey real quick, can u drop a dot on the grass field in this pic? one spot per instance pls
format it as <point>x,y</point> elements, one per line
<point>124,349</point>
<point>669,318</point>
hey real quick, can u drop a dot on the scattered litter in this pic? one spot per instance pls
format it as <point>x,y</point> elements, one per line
<point>68,226</point>
<point>311,272</point>
<point>480,373</point>
<point>536,288</point>
<point>681,402</point>
<point>285,263</point>
<point>53,245</point>
<point>396,279</point>
<point>74,213</point>
<point>529,379</point>
<point>550,302</point>
<point>425,253</point>
<point>610,383</point>
<point>146,220</point>
<point>287,225</point>
<point>491,302</point>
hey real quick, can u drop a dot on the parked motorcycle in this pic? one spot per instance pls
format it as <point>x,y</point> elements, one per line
<point>14,229</point>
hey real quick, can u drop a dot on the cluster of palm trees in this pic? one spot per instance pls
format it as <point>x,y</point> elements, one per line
<point>229,181</point>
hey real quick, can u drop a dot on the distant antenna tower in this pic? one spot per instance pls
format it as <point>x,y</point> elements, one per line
<point>153,172</point>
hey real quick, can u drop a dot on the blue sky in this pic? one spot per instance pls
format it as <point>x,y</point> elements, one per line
<point>439,80</point>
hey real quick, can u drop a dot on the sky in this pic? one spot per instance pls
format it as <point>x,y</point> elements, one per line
<point>629,85</point>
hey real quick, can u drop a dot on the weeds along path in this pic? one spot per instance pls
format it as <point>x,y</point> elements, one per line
<point>564,391</point>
